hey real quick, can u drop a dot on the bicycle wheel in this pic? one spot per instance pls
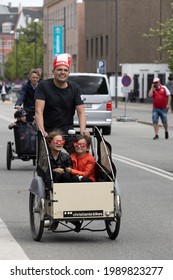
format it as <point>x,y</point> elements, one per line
<point>9,155</point>
<point>113,228</point>
<point>36,222</point>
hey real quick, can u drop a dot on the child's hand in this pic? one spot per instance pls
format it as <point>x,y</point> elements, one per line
<point>12,125</point>
<point>59,170</point>
<point>68,169</point>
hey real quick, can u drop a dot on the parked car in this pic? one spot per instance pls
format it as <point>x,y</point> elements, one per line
<point>97,100</point>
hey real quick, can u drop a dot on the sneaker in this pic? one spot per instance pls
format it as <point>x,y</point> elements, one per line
<point>166,135</point>
<point>156,137</point>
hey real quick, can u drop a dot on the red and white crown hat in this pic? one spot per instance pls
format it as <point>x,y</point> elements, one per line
<point>63,59</point>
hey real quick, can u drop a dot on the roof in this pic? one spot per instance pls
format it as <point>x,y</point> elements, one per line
<point>12,15</point>
<point>8,9</point>
<point>12,18</point>
<point>35,12</point>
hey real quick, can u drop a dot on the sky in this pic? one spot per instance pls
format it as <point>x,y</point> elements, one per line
<point>24,3</point>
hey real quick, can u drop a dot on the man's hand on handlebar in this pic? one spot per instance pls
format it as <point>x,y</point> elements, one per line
<point>85,132</point>
<point>18,107</point>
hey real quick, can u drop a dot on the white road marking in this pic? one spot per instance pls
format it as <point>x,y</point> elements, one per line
<point>146,167</point>
<point>10,249</point>
<point>6,118</point>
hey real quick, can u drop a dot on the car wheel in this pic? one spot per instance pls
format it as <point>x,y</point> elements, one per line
<point>106,130</point>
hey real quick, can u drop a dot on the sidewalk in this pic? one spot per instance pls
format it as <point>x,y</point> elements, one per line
<point>141,112</point>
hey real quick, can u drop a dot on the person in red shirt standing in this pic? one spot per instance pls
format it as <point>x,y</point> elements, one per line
<point>161,103</point>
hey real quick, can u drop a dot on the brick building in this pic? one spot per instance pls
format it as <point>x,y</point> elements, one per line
<point>110,31</point>
<point>91,32</point>
<point>11,20</point>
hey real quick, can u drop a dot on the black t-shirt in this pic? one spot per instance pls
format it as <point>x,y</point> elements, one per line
<point>59,104</point>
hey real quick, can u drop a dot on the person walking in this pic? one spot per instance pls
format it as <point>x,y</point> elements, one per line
<point>3,89</point>
<point>169,85</point>
<point>26,95</point>
<point>56,100</point>
<point>161,102</point>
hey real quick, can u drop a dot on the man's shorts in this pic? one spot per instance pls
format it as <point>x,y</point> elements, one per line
<point>162,113</point>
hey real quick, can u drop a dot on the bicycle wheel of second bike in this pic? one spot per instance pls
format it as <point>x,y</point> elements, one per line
<point>9,155</point>
<point>36,224</point>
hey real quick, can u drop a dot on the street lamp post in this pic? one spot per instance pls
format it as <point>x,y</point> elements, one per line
<point>160,53</point>
<point>16,37</point>
<point>3,57</point>
<point>35,41</point>
<point>2,54</point>
<point>116,53</point>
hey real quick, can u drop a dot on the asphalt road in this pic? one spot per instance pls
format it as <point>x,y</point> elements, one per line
<point>145,175</point>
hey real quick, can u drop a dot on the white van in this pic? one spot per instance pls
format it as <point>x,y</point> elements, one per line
<point>97,100</point>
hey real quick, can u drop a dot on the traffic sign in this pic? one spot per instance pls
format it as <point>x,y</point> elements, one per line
<point>126,81</point>
<point>101,66</point>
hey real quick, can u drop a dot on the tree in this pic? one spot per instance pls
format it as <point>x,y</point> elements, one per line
<point>25,52</point>
<point>165,32</point>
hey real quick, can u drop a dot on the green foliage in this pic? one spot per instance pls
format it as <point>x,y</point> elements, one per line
<point>165,32</point>
<point>25,52</point>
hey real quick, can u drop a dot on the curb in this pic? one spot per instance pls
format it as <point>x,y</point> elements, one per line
<point>6,102</point>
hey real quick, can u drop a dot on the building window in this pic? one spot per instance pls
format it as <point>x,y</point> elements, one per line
<point>91,47</point>
<point>1,42</point>
<point>63,19</point>
<point>9,43</point>
<point>87,48</point>
<point>68,16</point>
<point>71,15</point>
<point>107,45</point>
<point>101,46</point>
<point>96,47</point>
<point>6,27</point>
<point>74,16</point>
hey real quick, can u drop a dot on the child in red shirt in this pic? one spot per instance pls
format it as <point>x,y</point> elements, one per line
<point>83,163</point>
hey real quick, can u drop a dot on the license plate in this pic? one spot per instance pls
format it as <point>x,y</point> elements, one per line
<point>87,105</point>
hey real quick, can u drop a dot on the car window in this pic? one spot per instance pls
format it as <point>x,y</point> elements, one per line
<point>91,85</point>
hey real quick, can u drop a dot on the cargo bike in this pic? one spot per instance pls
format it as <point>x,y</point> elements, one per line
<point>24,145</point>
<point>60,206</point>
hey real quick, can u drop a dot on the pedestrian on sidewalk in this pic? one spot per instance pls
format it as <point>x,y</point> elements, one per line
<point>161,103</point>
<point>3,90</point>
<point>169,85</point>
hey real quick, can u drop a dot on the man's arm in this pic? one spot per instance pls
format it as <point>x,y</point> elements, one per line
<point>168,94</point>
<point>39,108</point>
<point>82,118</point>
<point>168,101</point>
<point>150,94</point>
<point>21,97</point>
